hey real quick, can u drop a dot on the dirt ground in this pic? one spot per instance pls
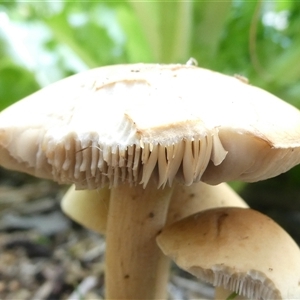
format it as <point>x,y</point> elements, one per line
<point>44,255</point>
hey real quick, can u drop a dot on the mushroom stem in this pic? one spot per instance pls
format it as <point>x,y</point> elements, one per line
<point>135,266</point>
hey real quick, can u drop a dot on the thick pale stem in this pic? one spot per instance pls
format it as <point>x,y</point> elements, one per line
<point>135,266</point>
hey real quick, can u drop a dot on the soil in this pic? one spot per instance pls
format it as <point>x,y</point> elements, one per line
<point>45,255</point>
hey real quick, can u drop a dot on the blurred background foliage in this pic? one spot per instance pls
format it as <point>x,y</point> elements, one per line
<point>42,42</point>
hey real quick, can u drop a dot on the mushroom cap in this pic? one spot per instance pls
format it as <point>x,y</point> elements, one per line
<point>188,200</point>
<point>124,123</point>
<point>90,207</point>
<point>87,207</point>
<point>238,249</point>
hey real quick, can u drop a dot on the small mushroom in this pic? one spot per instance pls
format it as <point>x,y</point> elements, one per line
<point>238,249</point>
<point>140,129</point>
<point>188,200</point>
<point>90,207</point>
<point>87,207</point>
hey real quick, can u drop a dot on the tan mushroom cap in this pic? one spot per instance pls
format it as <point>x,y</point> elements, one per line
<point>238,249</point>
<point>188,200</point>
<point>90,207</point>
<point>127,122</point>
<point>87,207</point>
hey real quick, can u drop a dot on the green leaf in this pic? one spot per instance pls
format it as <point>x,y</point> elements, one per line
<point>15,83</point>
<point>149,27</point>
<point>175,26</point>
<point>136,46</point>
<point>84,32</point>
<point>232,296</point>
<point>286,68</point>
<point>209,28</point>
<point>167,32</point>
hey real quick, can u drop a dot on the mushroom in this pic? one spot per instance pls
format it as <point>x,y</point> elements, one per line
<point>238,249</point>
<point>188,200</point>
<point>87,207</point>
<point>90,207</point>
<point>139,129</point>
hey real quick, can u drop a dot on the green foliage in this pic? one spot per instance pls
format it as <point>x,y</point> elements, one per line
<point>258,39</point>
<point>232,296</point>
<point>15,83</point>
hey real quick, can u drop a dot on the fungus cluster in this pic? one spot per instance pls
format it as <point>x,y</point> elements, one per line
<point>144,136</point>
